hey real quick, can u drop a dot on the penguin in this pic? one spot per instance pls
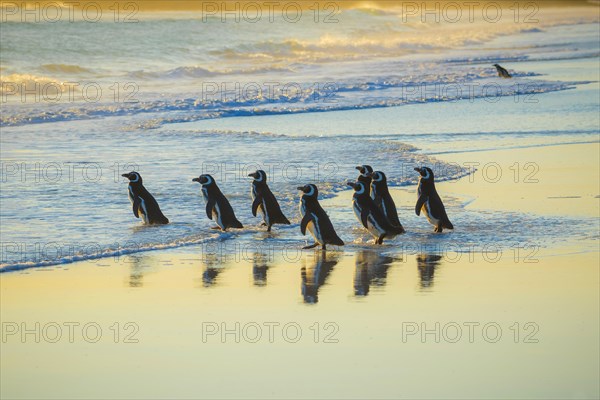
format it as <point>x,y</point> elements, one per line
<point>365,171</point>
<point>316,220</point>
<point>370,216</point>
<point>217,205</point>
<point>429,201</point>
<point>382,198</point>
<point>144,204</point>
<point>264,200</point>
<point>502,73</point>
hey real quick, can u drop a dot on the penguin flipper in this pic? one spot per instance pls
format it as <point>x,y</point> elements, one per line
<point>364,217</point>
<point>136,205</point>
<point>257,201</point>
<point>305,220</point>
<point>281,219</point>
<point>420,201</point>
<point>210,204</point>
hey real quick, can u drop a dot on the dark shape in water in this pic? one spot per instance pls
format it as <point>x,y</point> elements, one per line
<point>136,274</point>
<point>259,269</point>
<point>314,276</point>
<point>209,276</point>
<point>502,73</point>
<point>371,269</point>
<point>427,264</point>
<point>213,267</point>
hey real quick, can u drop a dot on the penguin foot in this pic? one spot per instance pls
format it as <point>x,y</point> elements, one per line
<point>324,247</point>
<point>438,229</point>
<point>263,224</point>
<point>218,228</point>
<point>269,228</point>
<point>312,246</point>
<point>380,240</point>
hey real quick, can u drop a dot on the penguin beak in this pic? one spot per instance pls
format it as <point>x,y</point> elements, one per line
<point>351,184</point>
<point>196,180</point>
<point>418,169</point>
<point>125,175</point>
<point>300,188</point>
<point>360,168</point>
<point>253,175</point>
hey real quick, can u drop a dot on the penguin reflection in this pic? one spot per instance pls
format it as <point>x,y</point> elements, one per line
<point>315,274</point>
<point>260,267</point>
<point>136,270</point>
<point>212,269</point>
<point>427,264</point>
<point>371,269</point>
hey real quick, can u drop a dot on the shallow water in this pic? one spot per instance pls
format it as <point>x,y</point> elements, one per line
<point>80,160</point>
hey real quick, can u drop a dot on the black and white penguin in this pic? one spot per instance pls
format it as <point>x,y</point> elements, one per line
<point>370,216</point>
<point>429,201</point>
<point>316,220</point>
<point>144,204</point>
<point>217,206</point>
<point>365,174</point>
<point>382,198</point>
<point>264,201</point>
<point>502,73</point>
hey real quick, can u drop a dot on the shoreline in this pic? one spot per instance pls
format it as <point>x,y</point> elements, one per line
<point>479,188</point>
<point>171,307</point>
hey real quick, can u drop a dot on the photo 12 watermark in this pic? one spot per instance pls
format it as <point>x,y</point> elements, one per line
<point>33,172</point>
<point>454,12</point>
<point>252,12</point>
<point>51,12</point>
<point>59,92</point>
<point>469,332</point>
<point>69,332</point>
<point>270,332</point>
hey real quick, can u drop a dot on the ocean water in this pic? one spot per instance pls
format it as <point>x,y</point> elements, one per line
<point>173,96</point>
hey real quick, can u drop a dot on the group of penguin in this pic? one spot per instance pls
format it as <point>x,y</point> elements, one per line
<point>372,203</point>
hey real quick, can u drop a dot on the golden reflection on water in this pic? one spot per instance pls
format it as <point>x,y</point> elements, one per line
<point>366,296</point>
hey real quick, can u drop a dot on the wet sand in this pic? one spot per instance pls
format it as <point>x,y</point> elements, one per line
<point>511,325</point>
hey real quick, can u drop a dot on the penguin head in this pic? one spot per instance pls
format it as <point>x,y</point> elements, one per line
<point>378,177</point>
<point>364,170</point>
<point>359,187</point>
<point>309,190</point>
<point>426,173</point>
<point>259,176</point>
<point>204,180</point>
<point>133,177</point>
